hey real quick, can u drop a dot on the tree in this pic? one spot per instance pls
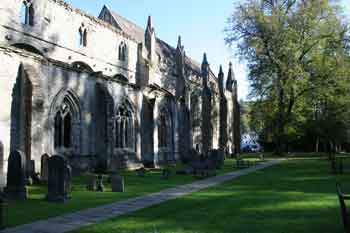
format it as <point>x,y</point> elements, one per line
<point>283,42</point>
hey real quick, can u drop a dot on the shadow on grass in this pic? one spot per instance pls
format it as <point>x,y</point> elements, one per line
<point>37,208</point>
<point>297,196</point>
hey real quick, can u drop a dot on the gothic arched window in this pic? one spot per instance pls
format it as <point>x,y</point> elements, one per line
<point>122,52</point>
<point>124,127</point>
<point>24,11</point>
<point>163,130</point>
<point>63,127</point>
<point>83,36</point>
<point>27,13</point>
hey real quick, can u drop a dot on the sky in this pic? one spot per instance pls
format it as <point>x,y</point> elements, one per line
<point>199,22</point>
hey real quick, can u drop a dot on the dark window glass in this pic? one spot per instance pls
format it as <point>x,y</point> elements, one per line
<point>63,127</point>
<point>124,128</point>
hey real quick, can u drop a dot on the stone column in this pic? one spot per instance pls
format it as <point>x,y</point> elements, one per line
<point>206,124</point>
<point>117,133</point>
<point>207,135</point>
<point>21,110</point>
<point>176,138</point>
<point>123,133</point>
<point>155,135</point>
<point>137,131</point>
<point>223,114</point>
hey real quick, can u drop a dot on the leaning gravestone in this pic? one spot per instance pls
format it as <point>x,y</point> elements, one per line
<point>57,179</point>
<point>16,177</point>
<point>44,167</point>
<point>100,186</point>
<point>68,179</point>
<point>117,183</point>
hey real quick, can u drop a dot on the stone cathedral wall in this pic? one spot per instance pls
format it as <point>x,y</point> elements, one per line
<point>48,80</point>
<point>45,55</point>
<point>56,35</point>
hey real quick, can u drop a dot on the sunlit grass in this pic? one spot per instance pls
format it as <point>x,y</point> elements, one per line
<point>36,208</point>
<point>297,196</point>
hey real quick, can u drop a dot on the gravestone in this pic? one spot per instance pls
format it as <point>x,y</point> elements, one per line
<point>16,177</point>
<point>91,185</point>
<point>100,186</point>
<point>68,178</point>
<point>262,158</point>
<point>31,168</point>
<point>117,183</point>
<point>30,181</point>
<point>36,178</point>
<point>58,179</point>
<point>44,167</point>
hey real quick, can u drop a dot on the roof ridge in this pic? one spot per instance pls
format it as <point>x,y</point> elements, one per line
<point>124,18</point>
<point>117,16</point>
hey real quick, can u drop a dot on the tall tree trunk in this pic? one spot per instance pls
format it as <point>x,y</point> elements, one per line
<point>317,145</point>
<point>280,120</point>
<point>330,150</point>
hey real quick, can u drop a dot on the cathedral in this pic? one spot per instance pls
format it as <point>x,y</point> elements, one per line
<point>103,91</point>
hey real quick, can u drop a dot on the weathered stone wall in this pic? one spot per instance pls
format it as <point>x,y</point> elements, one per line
<point>8,72</point>
<point>52,81</point>
<point>230,115</point>
<point>215,119</point>
<point>196,109</point>
<point>47,52</point>
<point>56,33</point>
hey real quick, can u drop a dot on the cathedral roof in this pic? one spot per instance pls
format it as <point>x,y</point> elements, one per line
<point>129,27</point>
<point>162,48</point>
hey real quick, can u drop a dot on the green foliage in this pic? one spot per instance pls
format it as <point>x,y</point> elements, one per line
<point>298,60</point>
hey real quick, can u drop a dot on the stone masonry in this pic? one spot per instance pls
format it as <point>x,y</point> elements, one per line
<point>104,92</point>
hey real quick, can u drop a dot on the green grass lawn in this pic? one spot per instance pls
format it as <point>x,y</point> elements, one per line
<point>36,208</point>
<point>297,196</point>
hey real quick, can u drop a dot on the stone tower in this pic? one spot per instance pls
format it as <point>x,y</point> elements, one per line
<point>206,126</point>
<point>184,119</point>
<point>231,85</point>
<point>180,70</point>
<point>223,137</point>
<point>150,40</point>
<point>147,55</point>
<point>230,78</point>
